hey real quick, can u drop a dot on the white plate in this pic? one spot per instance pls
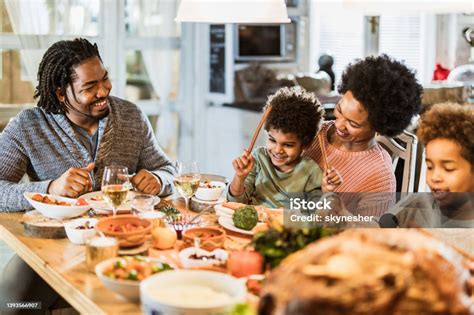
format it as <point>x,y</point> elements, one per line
<point>209,202</point>
<point>229,224</point>
<point>220,209</point>
<point>101,206</point>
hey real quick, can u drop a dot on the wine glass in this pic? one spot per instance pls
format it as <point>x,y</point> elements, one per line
<point>115,186</point>
<point>187,179</point>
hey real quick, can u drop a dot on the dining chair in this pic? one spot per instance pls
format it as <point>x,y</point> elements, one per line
<point>402,147</point>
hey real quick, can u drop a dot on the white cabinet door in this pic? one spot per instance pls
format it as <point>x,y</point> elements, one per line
<point>228,133</point>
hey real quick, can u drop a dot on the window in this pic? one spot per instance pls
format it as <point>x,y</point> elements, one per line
<point>400,37</point>
<point>138,40</point>
<point>337,32</point>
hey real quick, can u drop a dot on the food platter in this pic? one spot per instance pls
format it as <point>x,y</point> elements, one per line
<point>227,223</point>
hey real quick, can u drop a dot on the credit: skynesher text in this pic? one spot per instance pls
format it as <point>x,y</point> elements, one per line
<point>330,218</point>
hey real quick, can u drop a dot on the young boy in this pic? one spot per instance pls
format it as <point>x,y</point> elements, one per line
<point>273,174</point>
<point>446,131</point>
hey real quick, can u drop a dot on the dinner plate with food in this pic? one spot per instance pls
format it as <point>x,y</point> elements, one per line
<point>244,221</point>
<point>98,203</point>
<point>227,209</point>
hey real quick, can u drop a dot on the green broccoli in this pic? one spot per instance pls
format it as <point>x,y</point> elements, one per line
<point>245,218</point>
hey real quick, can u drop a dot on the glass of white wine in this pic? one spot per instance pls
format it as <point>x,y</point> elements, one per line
<point>115,186</point>
<point>187,179</point>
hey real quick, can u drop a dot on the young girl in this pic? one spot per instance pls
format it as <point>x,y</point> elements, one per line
<point>446,131</point>
<point>273,174</point>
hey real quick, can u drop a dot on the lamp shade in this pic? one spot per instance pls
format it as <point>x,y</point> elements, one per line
<point>233,11</point>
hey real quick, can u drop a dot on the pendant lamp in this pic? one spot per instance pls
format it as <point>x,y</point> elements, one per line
<point>233,11</point>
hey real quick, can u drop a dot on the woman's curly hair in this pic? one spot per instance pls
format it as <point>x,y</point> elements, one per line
<point>387,89</point>
<point>450,121</point>
<point>57,70</point>
<point>295,110</point>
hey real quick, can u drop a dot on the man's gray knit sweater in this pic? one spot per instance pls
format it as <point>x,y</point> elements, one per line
<point>45,145</point>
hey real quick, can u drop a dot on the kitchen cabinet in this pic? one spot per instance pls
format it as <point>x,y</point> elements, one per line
<point>228,132</point>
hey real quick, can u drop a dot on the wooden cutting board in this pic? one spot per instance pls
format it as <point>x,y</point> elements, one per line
<point>37,225</point>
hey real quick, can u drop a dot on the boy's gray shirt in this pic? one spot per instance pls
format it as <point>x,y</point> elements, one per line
<point>45,145</point>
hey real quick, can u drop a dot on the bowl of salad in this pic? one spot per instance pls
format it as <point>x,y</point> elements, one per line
<point>124,274</point>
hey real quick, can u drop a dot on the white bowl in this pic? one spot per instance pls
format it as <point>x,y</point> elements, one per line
<point>56,211</point>
<point>210,194</point>
<point>187,262</point>
<point>186,292</point>
<point>129,289</point>
<point>79,236</point>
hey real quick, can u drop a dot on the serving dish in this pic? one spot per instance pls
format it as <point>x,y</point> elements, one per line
<point>210,237</point>
<point>191,292</point>
<point>210,190</point>
<point>227,223</point>
<point>71,210</point>
<point>129,230</point>
<point>129,285</point>
<point>79,230</point>
<point>205,258</point>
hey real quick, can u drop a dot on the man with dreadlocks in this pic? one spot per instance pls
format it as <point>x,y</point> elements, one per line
<point>64,144</point>
<point>75,131</point>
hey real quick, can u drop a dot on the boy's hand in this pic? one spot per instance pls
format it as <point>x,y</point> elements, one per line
<point>243,165</point>
<point>331,179</point>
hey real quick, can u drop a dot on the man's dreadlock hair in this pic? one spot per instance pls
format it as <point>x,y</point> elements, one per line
<point>56,70</point>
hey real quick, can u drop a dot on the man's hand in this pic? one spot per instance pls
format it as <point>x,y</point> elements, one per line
<point>146,182</point>
<point>331,179</point>
<point>74,182</point>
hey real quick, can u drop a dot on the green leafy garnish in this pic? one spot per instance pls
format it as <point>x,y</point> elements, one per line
<point>275,245</point>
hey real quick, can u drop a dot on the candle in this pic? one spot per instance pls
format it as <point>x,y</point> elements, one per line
<point>99,249</point>
<point>245,263</point>
<point>157,218</point>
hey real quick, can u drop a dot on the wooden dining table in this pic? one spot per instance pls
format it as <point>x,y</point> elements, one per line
<point>62,265</point>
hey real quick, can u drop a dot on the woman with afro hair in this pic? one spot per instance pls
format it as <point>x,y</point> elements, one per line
<point>379,95</point>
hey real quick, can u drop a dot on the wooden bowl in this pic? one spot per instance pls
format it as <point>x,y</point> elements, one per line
<point>129,230</point>
<point>211,237</point>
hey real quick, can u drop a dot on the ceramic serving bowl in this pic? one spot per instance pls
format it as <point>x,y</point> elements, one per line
<point>189,259</point>
<point>191,292</point>
<point>129,230</point>
<point>79,230</point>
<point>128,288</point>
<point>210,190</point>
<point>66,211</point>
<point>211,237</point>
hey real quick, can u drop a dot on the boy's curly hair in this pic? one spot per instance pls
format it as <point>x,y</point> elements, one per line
<point>295,110</point>
<point>387,89</point>
<point>451,121</point>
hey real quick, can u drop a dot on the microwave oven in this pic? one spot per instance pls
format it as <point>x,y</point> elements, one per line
<point>265,43</point>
